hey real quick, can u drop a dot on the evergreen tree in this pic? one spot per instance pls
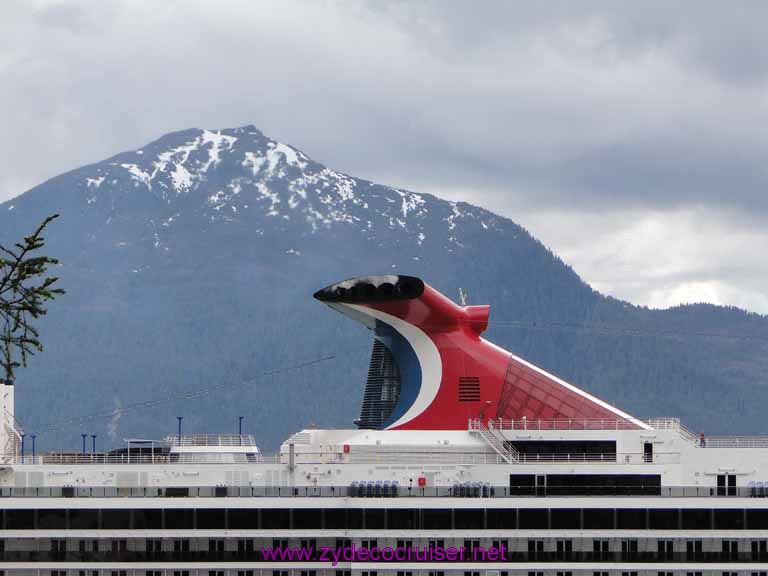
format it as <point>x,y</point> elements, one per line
<point>24,288</point>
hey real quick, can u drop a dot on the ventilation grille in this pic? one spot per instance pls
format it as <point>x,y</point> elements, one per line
<point>469,389</point>
<point>382,389</point>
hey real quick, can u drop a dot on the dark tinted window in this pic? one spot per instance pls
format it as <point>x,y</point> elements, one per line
<point>19,519</point>
<point>52,519</point>
<point>116,519</point>
<point>210,518</point>
<point>598,519</point>
<point>729,519</point>
<point>335,518</point>
<point>242,519</point>
<point>179,519</point>
<point>697,519</point>
<point>533,518</point>
<point>603,484</point>
<point>401,519</point>
<point>563,518</point>
<point>306,518</point>
<point>503,519</point>
<point>176,492</point>
<point>522,484</point>
<point>374,519</point>
<point>437,519</point>
<point>148,519</point>
<point>630,518</point>
<point>275,519</point>
<point>355,518</point>
<point>468,518</point>
<point>663,519</point>
<point>80,519</point>
<point>757,519</point>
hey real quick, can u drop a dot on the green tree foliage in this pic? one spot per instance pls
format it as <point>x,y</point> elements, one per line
<point>24,288</point>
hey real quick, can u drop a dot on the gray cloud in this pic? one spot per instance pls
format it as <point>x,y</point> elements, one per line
<point>591,109</point>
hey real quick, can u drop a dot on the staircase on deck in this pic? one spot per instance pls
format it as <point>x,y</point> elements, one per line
<point>495,440</point>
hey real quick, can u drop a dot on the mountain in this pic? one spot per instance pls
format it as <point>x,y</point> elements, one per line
<point>189,266</point>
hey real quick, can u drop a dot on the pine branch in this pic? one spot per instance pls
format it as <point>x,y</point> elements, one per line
<point>24,289</point>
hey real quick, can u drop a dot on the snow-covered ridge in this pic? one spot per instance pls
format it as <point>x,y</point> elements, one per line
<point>240,170</point>
<point>175,162</point>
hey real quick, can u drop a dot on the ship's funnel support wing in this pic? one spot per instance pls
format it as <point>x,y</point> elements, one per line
<point>431,370</point>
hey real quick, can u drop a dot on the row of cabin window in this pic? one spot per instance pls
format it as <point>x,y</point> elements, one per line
<point>380,519</point>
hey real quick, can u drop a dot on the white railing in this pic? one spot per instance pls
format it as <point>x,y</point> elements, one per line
<point>630,458</point>
<point>66,458</point>
<point>374,458</point>
<point>562,424</point>
<point>589,424</point>
<point>211,440</point>
<point>399,458</point>
<point>77,459</point>
<point>671,424</point>
<point>735,442</point>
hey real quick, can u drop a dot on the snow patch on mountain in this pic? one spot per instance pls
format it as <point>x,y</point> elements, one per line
<point>216,140</point>
<point>237,168</point>
<point>273,160</point>
<point>138,174</point>
<point>455,213</point>
<point>410,201</point>
<point>94,182</point>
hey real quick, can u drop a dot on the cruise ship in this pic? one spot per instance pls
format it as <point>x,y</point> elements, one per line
<point>465,460</point>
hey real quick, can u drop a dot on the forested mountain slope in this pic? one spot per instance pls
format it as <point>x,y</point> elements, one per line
<point>190,264</point>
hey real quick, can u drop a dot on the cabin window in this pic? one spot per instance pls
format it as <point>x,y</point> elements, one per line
<point>143,519</point>
<point>19,519</point>
<point>114,519</point>
<point>631,519</point>
<point>52,519</point>
<point>729,519</point>
<point>275,519</point>
<point>176,492</point>
<point>468,519</point>
<point>603,484</point>
<point>598,519</point>
<point>437,519</point>
<point>403,519</point>
<point>757,519</point>
<point>242,519</point>
<point>179,519</point>
<point>501,519</point>
<point>335,518</point>
<point>306,518</point>
<point>210,519</point>
<point>522,484</point>
<point>355,519</point>
<point>534,518</point>
<point>697,519</point>
<point>564,518</point>
<point>82,519</point>
<point>663,519</point>
<point>374,519</point>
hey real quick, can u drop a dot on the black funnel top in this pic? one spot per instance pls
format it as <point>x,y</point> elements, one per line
<point>385,288</point>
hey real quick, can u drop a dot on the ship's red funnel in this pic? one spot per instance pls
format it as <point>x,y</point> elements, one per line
<point>431,370</point>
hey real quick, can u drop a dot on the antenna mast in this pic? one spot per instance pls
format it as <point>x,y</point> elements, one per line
<point>463,296</point>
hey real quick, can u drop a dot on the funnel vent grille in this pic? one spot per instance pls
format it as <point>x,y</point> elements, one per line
<point>382,389</point>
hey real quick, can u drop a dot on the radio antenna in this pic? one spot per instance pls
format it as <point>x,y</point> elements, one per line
<point>462,296</point>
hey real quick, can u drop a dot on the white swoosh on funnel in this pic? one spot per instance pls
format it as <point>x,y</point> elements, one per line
<point>427,354</point>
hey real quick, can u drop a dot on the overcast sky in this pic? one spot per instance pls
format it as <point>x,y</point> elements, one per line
<point>631,138</point>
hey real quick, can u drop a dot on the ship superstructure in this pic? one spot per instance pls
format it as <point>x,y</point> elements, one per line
<point>459,444</point>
